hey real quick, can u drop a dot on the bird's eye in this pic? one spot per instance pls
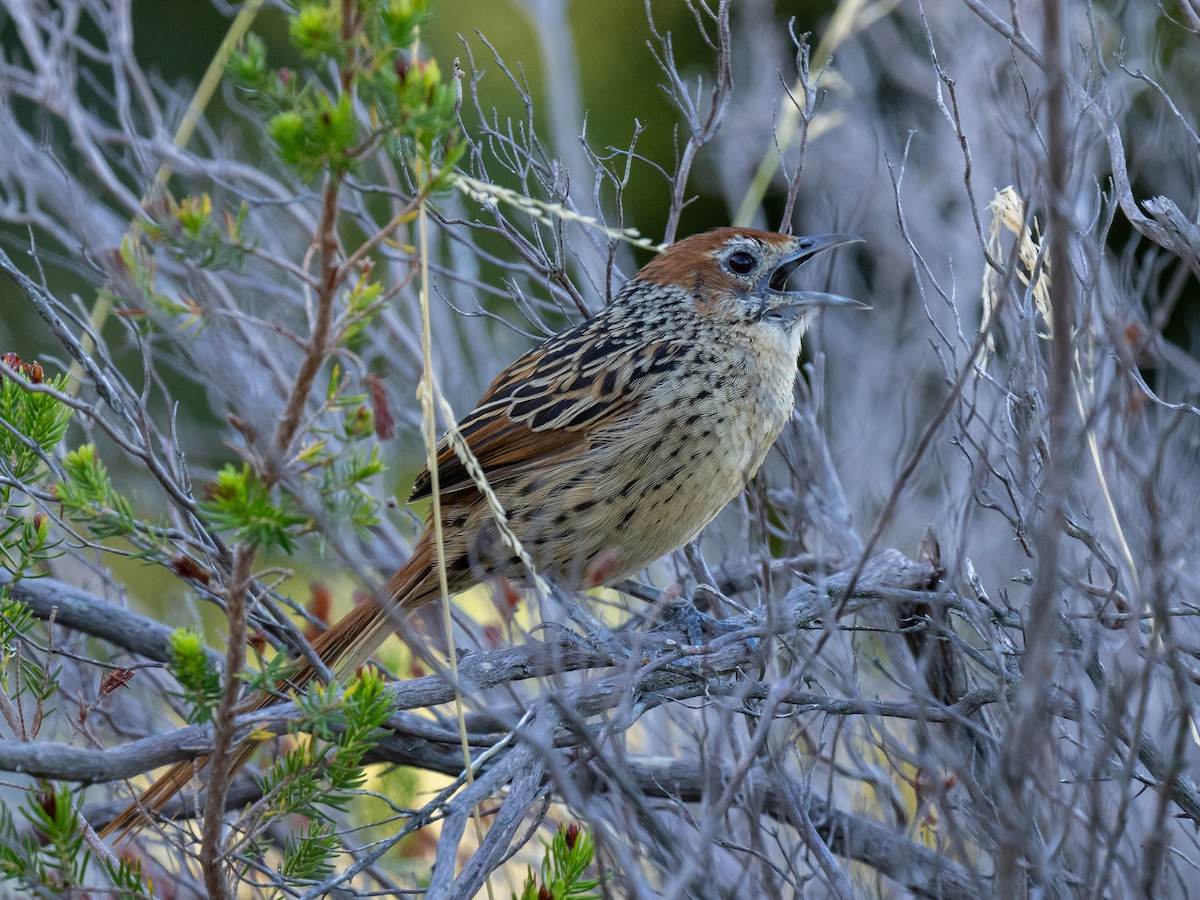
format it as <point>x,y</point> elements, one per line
<point>741,263</point>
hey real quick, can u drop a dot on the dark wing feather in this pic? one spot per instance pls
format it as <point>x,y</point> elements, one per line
<point>546,404</point>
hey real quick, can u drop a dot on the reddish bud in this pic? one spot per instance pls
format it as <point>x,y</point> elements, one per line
<point>215,491</point>
<point>186,567</point>
<point>385,422</point>
<point>320,607</point>
<point>31,370</point>
<point>544,893</point>
<point>571,834</point>
<point>115,679</point>
<point>321,603</point>
<point>48,801</point>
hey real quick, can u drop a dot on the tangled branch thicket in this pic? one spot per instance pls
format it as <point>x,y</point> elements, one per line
<point>966,667</point>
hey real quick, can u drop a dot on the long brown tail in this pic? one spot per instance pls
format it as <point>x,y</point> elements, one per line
<point>343,648</point>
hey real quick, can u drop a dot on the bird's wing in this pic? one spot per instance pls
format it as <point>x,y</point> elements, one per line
<point>546,404</point>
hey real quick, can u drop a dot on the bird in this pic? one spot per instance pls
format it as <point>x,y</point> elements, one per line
<point>608,446</point>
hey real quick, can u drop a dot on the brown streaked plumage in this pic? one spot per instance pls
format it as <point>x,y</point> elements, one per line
<point>610,444</point>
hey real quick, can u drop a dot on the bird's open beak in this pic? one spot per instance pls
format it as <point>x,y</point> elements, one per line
<point>820,298</point>
<point>783,301</point>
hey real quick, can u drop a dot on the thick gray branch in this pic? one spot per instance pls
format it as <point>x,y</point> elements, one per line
<point>86,612</point>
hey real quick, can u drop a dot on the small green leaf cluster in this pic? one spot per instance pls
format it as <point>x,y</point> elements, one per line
<point>37,422</point>
<point>568,857</point>
<point>357,422</point>
<point>322,134</point>
<point>342,460</point>
<point>344,488</point>
<point>87,494</point>
<point>320,774</point>
<point>240,501</point>
<point>24,542</point>
<point>199,678</point>
<point>192,232</point>
<point>34,425</point>
<point>310,853</point>
<point>360,305</point>
<point>313,123</point>
<point>21,673</point>
<point>52,852</point>
<point>132,272</point>
<point>270,674</point>
<point>49,857</point>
